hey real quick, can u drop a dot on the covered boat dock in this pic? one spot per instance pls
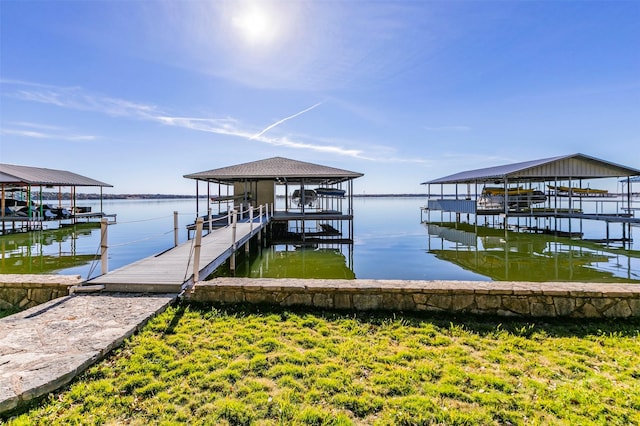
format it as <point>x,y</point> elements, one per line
<point>554,188</point>
<point>24,207</point>
<point>309,203</point>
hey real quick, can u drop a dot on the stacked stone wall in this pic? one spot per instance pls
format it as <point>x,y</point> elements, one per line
<point>522,299</point>
<point>28,290</point>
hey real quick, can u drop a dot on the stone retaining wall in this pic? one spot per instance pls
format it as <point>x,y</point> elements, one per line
<point>524,299</point>
<point>18,291</point>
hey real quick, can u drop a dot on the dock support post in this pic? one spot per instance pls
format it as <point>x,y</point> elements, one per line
<point>175,229</point>
<point>104,247</point>
<point>569,221</point>
<point>233,241</point>
<point>234,222</point>
<point>247,246</point>
<point>260,233</point>
<point>209,219</point>
<point>196,251</point>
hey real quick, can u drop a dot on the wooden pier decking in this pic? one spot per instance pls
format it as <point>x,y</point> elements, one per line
<point>173,270</point>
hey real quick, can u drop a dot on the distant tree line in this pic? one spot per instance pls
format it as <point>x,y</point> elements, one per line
<point>94,196</point>
<point>35,195</point>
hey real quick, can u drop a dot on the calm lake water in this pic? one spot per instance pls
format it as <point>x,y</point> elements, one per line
<point>390,243</point>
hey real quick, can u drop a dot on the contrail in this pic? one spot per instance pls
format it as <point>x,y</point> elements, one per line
<point>279,122</point>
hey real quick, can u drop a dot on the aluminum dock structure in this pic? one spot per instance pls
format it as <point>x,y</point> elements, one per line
<point>313,204</point>
<point>28,202</point>
<point>553,190</point>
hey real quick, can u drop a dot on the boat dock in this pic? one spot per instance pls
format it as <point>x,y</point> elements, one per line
<point>178,268</point>
<point>552,189</point>
<point>26,204</point>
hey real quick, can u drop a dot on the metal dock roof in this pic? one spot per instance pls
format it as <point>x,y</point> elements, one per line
<point>574,166</point>
<point>273,169</point>
<point>24,175</point>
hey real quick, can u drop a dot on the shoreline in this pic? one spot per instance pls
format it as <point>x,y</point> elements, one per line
<point>48,196</point>
<point>67,196</point>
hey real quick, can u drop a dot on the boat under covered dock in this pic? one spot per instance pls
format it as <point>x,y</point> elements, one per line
<point>24,206</point>
<point>556,189</point>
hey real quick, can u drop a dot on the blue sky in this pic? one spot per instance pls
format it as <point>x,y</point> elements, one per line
<point>139,93</point>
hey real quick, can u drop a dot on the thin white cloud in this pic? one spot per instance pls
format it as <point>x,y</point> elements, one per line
<point>24,133</point>
<point>228,127</point>
<point>76,98</point>
<point>16,82</point>
<point>220,126</point>
<point>284,141</point>
<point>43,135</point>
<point>34,125</point>
<point>279,122</point>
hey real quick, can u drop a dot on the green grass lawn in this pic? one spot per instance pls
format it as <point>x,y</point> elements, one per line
<point>239,366</point>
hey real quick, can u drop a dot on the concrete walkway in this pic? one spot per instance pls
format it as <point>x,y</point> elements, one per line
<point>45,347</point>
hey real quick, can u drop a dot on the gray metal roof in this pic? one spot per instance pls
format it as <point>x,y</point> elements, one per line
<point>24,175</point>
<point>276,168</point>
<point>575,166</point>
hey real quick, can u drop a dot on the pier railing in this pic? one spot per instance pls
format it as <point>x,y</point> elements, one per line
<point>236,214</point>
<point>255,216</point>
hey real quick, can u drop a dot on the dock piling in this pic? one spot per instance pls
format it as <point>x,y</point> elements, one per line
<point>104,248</point>
<point>260,233</point>
<point>175,229</point>
<point>196,252</point>
<point>234,222</point>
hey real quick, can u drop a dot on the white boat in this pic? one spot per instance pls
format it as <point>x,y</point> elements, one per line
<point>330,192</point>
<point>493,198</point>
<point>19,208</point>
<point>310,196</point>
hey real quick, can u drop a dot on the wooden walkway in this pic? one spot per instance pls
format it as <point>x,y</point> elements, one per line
<point>172,270</point>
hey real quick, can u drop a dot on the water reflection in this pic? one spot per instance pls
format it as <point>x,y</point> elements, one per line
<point>287,261</point>
<point>41,252</point>
<point>389,243</point>
<point>504,255</point>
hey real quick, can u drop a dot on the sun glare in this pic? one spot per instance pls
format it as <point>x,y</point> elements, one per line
<point>256,25</point>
